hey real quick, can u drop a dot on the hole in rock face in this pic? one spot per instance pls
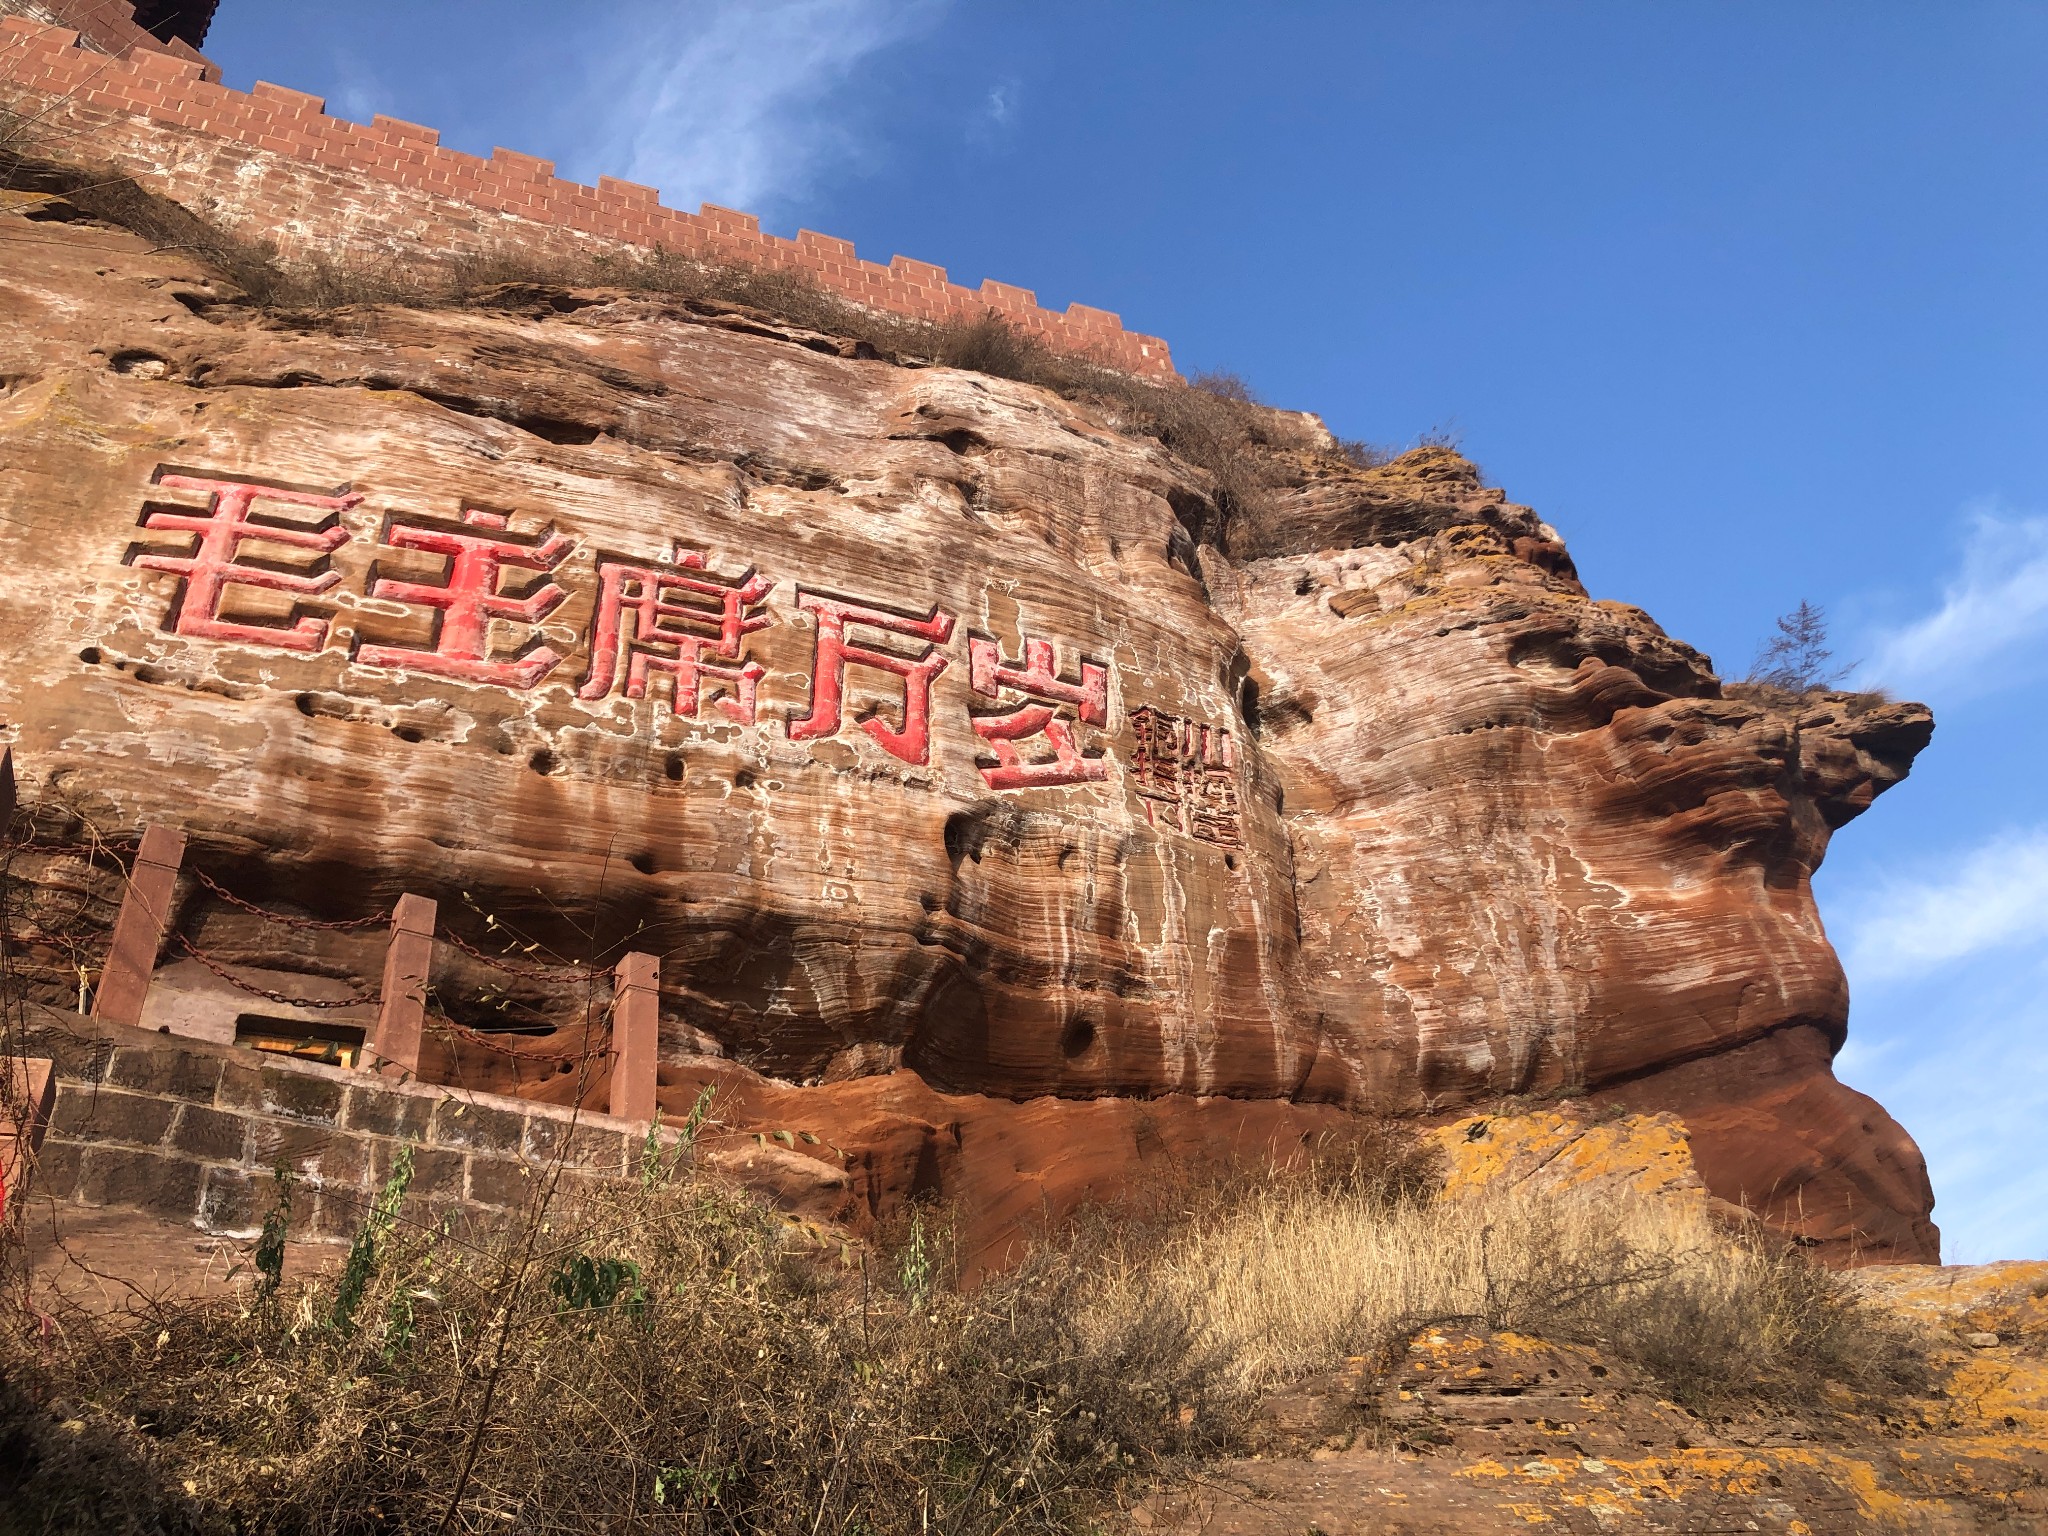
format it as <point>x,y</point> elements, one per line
<point>305,703</point>
<point>1078,1037</point>
<point>1230,861</point>
<point>1248,704</point>
<point>1304,584</point>
<point>90,655</point>
<point>643,861</point>
<point>743,779</point>
<point>140,365</point>
<point>961,841</point>
<point>672,766</point>
<point>542,761</point>
<point>408,733</point>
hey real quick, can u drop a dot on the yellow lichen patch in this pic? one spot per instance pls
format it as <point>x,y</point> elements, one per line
<point>1645,1154</point>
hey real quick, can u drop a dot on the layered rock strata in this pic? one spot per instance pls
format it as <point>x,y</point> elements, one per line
<point>1005,807</point>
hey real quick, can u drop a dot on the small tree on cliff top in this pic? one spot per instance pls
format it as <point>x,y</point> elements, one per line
<point>1797,657</point>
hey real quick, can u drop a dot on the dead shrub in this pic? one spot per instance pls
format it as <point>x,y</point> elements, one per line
<point>1299,1277</point>
<point>670,1358</point>
<point>678,1357</point>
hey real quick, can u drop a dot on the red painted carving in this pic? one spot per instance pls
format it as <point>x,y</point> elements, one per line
<point>990,674</point>
<point>669,620</point>
<point>1186,773</point>
<point>215,563</point>
<point>913,743</point>
<point>987,671</point>
<point>468,599</point>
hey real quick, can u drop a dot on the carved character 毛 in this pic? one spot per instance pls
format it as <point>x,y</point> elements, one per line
<point>468,598</point>
<point>216,562</point>
<point>666,618</point>
<point>834,652</point>
<point>1039,680</point>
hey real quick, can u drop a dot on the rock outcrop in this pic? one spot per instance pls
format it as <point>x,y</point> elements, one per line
<point>1005,806</point>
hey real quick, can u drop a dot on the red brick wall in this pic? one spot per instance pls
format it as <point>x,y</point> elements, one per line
<point>272,163</point>
<point>107,25</point>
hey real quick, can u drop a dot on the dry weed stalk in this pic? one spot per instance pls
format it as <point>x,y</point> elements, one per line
<point>672,1355</point>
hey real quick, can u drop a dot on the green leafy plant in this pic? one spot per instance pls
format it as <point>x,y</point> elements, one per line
<point>361,1263</point>
<point>269,1255</point>
<point>584,1284</point>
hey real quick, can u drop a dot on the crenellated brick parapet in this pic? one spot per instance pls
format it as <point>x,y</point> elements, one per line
<point>273,160</point>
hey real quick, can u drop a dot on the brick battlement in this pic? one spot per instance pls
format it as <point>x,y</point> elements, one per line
<point>272,159</point>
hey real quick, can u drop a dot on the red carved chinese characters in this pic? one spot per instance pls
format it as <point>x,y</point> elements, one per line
<point>674,618</point>
<point>667,619</point>
<point>468,599</point>
<point>989,674</point>
<point>216,564</point>
<point>1186,773</point>
<point>912,743</point>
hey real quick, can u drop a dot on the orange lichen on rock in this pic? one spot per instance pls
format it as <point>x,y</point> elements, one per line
<point>1569,1149</point>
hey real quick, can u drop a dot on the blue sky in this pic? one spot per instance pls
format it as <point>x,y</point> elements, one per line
<point>1747,299</point>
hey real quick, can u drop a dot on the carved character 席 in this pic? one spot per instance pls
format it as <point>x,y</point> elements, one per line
<point>667,619</point>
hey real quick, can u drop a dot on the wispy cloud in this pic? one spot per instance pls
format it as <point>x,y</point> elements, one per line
<point>1961,1059</point>
<point>1994,897</point>
<point>745,102</point>
<point>1990,627</point>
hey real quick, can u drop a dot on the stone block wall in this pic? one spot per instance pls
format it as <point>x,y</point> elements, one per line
<point>192,1132</point>
<point>273,163</point>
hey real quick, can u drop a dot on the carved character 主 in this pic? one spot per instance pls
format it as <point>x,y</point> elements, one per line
<point>468,598</point>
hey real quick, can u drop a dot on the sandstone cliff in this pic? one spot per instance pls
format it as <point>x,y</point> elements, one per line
<point>1007,805</point>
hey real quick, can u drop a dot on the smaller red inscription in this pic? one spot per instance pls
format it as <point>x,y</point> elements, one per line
<point>667,619</point>
<point>834,652</point>
<point>1186,773</point>
<point>216,561</point>
<point>1039,680</point>
<point>468,599</point>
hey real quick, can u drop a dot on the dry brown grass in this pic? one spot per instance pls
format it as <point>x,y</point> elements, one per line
<point>678,1357</point>
<point>1288,1282</point>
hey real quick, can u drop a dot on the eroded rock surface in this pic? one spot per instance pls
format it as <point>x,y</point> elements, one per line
<point>1366,804</point>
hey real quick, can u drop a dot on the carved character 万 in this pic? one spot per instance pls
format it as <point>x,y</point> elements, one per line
<point>834,652</point>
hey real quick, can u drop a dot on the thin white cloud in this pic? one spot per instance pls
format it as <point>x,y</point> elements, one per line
<point>1962,1062</point>
<point>744,102</point>
<point>1995,897</point>
<point>1990,627</point>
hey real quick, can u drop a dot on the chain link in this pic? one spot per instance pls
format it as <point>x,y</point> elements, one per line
<point>375,920</point>
<point>480,1038</point>
<point>353,999</point>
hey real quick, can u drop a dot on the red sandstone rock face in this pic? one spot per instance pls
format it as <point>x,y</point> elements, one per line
<point>1473,835</point>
